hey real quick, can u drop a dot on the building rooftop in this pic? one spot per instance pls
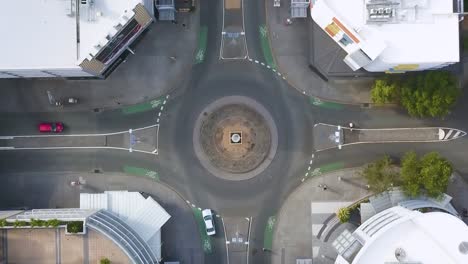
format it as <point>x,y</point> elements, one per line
<point>144,215</point>
<point>54,33</point>
<point>399,234</point>
<point>392,31</point>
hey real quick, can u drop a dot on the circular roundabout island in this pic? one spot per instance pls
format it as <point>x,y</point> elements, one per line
<point>235,138</point>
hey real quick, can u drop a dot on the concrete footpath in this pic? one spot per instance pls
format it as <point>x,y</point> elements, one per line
<point>162,62</point>
<point>306,210</point>
<point>290,45</point>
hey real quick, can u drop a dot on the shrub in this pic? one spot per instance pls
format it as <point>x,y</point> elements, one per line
<point>18,223</point>
<point>3,223</point>
<point>52,223</point>
<point>75,227</point>
<point>37,222</point>
<point>344,214</point>
<point>105,261</point>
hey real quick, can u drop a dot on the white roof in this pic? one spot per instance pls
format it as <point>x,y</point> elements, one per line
<point>42,34</point>
<point>424,31</point>
<point>425,238</point>
<point>144,215</point>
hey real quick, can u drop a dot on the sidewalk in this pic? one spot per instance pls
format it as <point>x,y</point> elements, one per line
<point>291,44</point>
<point>309,207</point>
<point>161,63</point>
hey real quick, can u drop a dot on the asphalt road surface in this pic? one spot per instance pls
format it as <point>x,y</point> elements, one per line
<point>176,163</point>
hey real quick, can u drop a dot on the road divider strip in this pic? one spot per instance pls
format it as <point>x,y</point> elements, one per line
<point>266,49</point>
<point>202,41</point>
<point>205,239</point>
<point>141,172</point>
<point>268,235</point>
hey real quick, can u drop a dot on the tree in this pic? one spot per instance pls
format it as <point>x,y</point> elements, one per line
<point>380,175</point>
<point>410,174</point>
<point>344,214</point>
<point>429,175</point>
<point>429,94</point>
<point>384,91</point>
<point>435,174</point>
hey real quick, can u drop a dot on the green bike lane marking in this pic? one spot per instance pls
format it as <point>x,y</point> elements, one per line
<point>205,239</point>
<point>266,49</point>
<point>268,235</point>
<point>141,172</point>
<point>202,40</point>
<point>323,169</point>
<point>147,106</point>
<point>329,105</point>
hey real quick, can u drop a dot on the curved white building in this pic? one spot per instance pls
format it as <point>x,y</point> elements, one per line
<point>392,35</point>
<point>399,235</point>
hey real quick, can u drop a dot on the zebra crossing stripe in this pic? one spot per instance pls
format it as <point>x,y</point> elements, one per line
<point>456,134</point>
<point>448,134</point>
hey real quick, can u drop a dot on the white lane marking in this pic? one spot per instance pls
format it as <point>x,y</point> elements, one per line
<point>6,137</point>
<point>256,61</point>
<point>448,134</point>
<point>248,239</point>
<point>225,238</point>
<point>5,148</point>
<point>456,134</point>
<point>263,64</point>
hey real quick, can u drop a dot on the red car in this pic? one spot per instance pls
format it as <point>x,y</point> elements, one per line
<point>55,127</point>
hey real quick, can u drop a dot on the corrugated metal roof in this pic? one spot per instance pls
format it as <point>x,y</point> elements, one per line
<point>144,216</point>
<point>148,219</point>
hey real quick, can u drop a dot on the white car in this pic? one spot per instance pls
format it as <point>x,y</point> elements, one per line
<point>209,222</point>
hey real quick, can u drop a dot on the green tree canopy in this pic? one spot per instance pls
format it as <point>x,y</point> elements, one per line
<point>384,91</point>
<point>423,94</point>
<point>429,175</point>
<point>380,175</point>
<point>435,174</point>
<point>429,94</point>
<point>410,167</point>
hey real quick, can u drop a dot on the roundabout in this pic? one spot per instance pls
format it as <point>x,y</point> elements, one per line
<point>235,138</point>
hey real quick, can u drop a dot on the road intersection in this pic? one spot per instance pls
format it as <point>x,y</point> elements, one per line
<point>160,139</point>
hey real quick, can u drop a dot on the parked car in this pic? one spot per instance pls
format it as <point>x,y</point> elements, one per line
<point>209,222</point>
<point>54,127</point>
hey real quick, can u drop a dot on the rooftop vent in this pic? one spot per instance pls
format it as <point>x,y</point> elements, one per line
<point>400,254</point>
<point>463,247</point>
